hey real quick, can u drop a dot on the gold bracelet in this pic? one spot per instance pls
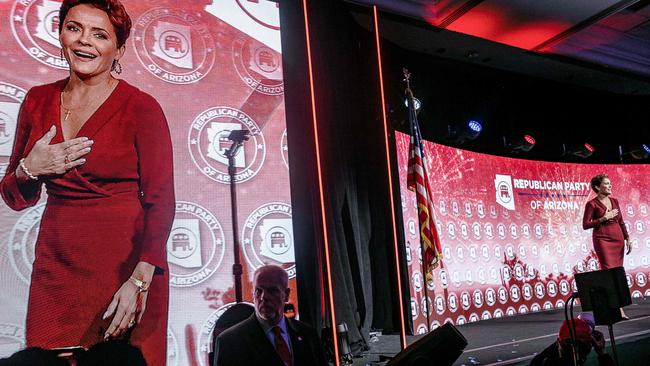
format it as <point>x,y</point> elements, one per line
<point>24,168</point>
<point>141,285</point>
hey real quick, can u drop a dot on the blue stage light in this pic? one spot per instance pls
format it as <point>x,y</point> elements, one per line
<point>646,148</point>
<point>475,126</point>
<point>460,133</point>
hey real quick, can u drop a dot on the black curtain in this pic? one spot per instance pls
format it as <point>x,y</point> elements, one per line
<point>356,194</point>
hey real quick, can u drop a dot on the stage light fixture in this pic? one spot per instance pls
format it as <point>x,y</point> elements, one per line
<point>469,131</point>
<point>524,143</point>
<point>475,127</point>
<point>640,152</point>
<point>416,103</point>
<point>583,151</point>
<point>637,152</point>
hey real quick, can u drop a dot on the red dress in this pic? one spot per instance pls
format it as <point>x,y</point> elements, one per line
<point>100,219</point>
<point>609,237</point>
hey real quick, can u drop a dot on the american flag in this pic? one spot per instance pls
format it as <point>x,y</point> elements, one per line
<point>418,181</point>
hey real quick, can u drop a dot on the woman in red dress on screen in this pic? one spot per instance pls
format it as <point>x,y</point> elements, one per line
<point>103,151</point>
<point>603,214</point>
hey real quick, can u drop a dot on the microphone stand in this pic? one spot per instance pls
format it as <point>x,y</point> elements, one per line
<point>237,137</point>
<point>240,310</point>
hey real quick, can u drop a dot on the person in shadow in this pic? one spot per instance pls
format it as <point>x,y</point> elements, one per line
<point>267,337</point>
<point>564,352</point>
<point>112,353</point>
<point>34,356</point>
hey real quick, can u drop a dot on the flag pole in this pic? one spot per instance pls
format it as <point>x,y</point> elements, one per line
<point>411,102</point>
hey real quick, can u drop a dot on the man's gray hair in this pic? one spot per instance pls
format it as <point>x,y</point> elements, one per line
<point>275,271</point>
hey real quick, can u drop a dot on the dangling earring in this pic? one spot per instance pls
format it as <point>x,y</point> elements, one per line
<point>62,54</point>
<point>116,67</point>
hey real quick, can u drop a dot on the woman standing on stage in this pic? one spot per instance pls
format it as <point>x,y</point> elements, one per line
<point>603,214</point>
<point>103,151</point>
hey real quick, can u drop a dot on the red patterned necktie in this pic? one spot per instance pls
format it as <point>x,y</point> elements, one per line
<point>281,346</point>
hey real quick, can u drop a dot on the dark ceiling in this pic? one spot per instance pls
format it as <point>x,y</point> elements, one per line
<point>567,72</point>
<point>600,44</point>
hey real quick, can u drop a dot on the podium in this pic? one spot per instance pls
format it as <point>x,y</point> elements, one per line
<point>604,292</point>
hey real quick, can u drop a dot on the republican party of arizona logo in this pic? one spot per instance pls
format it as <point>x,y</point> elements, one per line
<point>259,66</point>
<point>426,305</point>
<point>416,280</point>
<point>208,142</point>
<point>504,193</point>
<point>22,241</point>
<point>174,45</point>
<point>195,246</point>
<point>35,25</point>
<point>422,329</point>
<point>172,348</point>
<point>414,308</point>
<point>284,148</point>
<point>205,335</point>
<point>11,96</point>
<point>267,237</point>
<point>12,339</point>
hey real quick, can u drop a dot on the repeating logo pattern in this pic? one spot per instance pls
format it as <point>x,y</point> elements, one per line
<point>35,26</point>
<point>196,245</point>
<point>259,66</point>
<point>11,96</point>
<point>174,45</point>
<point>206,330</point>
<point>208,142</point>
<point>267,237</point>
<point>22,241</point>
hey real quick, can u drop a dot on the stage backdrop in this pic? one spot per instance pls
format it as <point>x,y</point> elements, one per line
<point>214,66</point>
<point>511,233</point>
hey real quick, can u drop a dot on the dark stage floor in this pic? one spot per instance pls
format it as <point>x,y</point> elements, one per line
<point>515,340</point>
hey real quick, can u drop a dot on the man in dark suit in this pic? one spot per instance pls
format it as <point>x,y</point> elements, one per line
<point>267,337</point>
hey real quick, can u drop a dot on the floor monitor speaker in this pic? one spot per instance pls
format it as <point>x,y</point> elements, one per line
<point>440,347</point>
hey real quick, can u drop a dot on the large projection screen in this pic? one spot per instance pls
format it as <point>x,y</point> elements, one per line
<point>511,233</point>
<point>214,66</point>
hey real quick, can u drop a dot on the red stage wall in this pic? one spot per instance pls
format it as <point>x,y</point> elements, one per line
<point>214,66</point>
<point>511,233</point>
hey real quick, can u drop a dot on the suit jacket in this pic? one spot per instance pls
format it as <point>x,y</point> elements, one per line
<point>245,344</point>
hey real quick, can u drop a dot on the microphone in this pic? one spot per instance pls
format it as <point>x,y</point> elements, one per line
<point>239,136</point>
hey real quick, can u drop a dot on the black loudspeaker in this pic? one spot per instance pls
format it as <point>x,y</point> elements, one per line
<point>604,292</point>
<point>440,347</point>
